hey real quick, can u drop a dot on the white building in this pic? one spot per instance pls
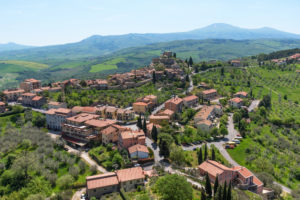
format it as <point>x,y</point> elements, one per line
<point>55,117</point>
<point>138,151</point>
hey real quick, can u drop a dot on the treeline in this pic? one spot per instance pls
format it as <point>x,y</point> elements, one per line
<point>277,54</point>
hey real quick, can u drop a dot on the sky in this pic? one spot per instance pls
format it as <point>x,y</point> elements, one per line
<point>48,22</point>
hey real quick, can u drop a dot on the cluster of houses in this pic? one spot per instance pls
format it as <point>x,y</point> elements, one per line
<point>126,179</point>
<point>205,118</point>
<point>237,175</point>
<point>29,93</point>
<point>283,61</point>
<point>237,101</point>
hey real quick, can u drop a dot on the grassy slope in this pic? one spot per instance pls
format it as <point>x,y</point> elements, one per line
<point>111,64</point>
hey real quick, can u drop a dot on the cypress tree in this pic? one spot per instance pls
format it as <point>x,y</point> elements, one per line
<point>139,122</point>
<point>187,78</point>
<point>224,191</point>
<point>154,77</point>
<point>228,197</point>
<point>219,193</point>
<point>145,125</point>
<point>154,133</point>
<point>205,151</point>
<point>191,61</point>
<point>174,55</point>
<point>213,155</point>
<point>208,186</point>
<point>164,149</point>
<point>203,195</point>
<point>200,156</point>
<point>216,185</point>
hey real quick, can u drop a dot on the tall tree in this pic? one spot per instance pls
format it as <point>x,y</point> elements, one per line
<point>200,157</point>
<point>145,126</point>
<point>219,193</point>
<point>222,71</point>
<point>224,191</point>
<point>139,122</point>
<point>165,149</point>
<point>205,151</point>
<point>191,61</point>
<point>187,78</point>
<point>174,55</point>
<point>216,185</point>
<point>154,133</point>
<point>154,77</point>
<point>213,154</point>
<point>228,197</point>
<point>203,195</point>
<point>208,186</point>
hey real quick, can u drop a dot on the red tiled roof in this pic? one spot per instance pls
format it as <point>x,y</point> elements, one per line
<point>175,100</point>
<point>237,100</point>
<point>13,91</point>
<point>102,180</point>
<point>82,117</point>
<point>99,123</point>
<point>109,130</point>
<point>243,93</point>
<point>140,104</point>
<point>138,147</point>
<point>29,94</point>
<point>209,91</point>
<point>2,103</point>
<point>213,168</point>
<point>132,134</point>
<point>256,181</point>
<point>130,174</point>
<point>37,98</point>
<point>190,98</point>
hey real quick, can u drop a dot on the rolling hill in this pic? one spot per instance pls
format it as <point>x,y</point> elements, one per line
<point>97,45</point>
<point>130,58</point>
<point>13,46</point>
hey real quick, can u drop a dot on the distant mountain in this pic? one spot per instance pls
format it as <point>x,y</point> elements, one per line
<point>12,46</point>
<point>103,45</point>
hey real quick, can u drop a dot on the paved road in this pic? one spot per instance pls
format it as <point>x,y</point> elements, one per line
<point>77,195</point>
<point>158,108</point>
<point>155,149</point>
<point>254,104</point>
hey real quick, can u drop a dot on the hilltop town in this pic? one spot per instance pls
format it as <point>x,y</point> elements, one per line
<point>195,120</point>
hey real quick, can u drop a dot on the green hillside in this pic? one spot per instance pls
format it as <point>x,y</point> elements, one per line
<point>125,60</point>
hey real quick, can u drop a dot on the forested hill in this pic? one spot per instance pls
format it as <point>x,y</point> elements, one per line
<point>98,45</point>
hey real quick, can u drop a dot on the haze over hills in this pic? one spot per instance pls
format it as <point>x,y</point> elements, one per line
<point>13,46</point>
<point>102,45</point>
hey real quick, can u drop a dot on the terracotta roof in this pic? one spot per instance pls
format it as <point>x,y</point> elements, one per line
<point>99,123</point>
<point>237,100</point>
<point>140,103</point>
<point>54,103</point>
<point>209,91</point>
<point>175,100</point>
<point>32,80</point>
<point>256,181</point>
<point>2,103</point>
<point>205,112</point>
<point>163,117</point>
<point>103,180</point>
<point>86,109</point>
<point>167,112</point>
<point>130,174</point>
<point>138,147</point>
<point>150,126</point>
<point>13,91</point>
<point>132,134</point>
<point>58,111</point>
<point>82,117</point>
<point>109,130</point>
<point>37,98</point>
<point>243,171</point>
<point>190,98</point>
<point>110,109</point>
<point>243,93</point>
<point>213,168</point>
<point>29,94</point>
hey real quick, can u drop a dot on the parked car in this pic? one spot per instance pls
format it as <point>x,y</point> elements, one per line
<point>238,138</point>
<point>236,141</point>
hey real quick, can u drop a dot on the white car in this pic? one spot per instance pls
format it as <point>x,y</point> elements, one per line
<point>236,141</point>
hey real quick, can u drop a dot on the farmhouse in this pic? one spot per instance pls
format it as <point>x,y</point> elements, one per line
<point>175,104</point>
<point>209,94</point>
<point>236,102</point>
<point>190,101</point>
